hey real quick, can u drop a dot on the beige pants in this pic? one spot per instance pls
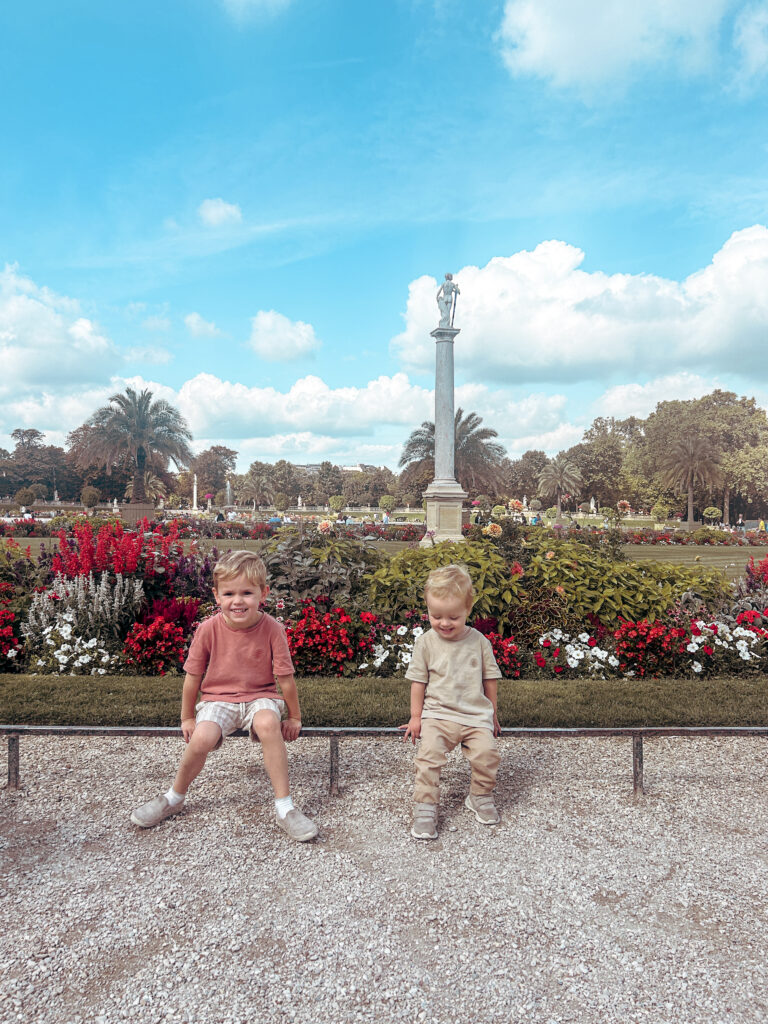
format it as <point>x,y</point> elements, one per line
<point>438,738</point>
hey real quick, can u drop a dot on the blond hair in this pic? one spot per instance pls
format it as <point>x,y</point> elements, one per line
<point>240,563</point>
<point>450,581</point>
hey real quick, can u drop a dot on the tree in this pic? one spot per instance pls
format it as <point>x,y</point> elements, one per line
<point>329,480</point>
<point>154,487</point>
<point>691,461</point>
<point>523,474</point>
<point>560,476</point>
<point>213,466</point>
<point>388,502</point>
<point>478,459</point>
<point>256,485</point>
<point>337,502</point>
<point>150,432</point>
<point>90,496</point>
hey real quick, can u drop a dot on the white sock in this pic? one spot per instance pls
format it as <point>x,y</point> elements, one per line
<point>173,797</point>
<point>283,804</point>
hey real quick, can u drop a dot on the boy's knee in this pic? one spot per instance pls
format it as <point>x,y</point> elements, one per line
<point>205,738</point>
<point>265,725</point>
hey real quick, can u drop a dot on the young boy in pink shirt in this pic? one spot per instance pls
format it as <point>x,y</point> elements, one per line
<point>235,663</point>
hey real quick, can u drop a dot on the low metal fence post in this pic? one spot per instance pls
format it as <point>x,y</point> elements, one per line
<point>334,765</point>
<point>13,762</point>
<point>638,782</point>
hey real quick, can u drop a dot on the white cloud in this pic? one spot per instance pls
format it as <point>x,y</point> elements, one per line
<point>158,324</point>
<point>550,441</point>
<point>44,342</point>
<point>215,213</point>
<point>750,40</point>
<point>536,316</point>
<point>225,409</point>
<point>583,43</point>
<point>275,337</point>
<point>641,399</point>
<point>200,328</point>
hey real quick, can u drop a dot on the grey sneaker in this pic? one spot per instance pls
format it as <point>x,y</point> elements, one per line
<point>298,825</point>
<point>484,808</point>
<point>424,821</point>
<point>154,812</point>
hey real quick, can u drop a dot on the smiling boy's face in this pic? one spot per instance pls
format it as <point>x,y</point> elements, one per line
<point>239,600</point>
<point>448,616</point>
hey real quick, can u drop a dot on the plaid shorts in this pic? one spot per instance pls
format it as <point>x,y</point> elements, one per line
<point>230,716</point>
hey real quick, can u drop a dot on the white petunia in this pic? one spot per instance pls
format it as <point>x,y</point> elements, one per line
<point>401,630</point>
<point>696,666</point>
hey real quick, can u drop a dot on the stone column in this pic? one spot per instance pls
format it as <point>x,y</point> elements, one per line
<point>194,492</point>
<point>444,496</point>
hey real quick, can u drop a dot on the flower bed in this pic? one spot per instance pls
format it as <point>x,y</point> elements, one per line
<point>117,600</point>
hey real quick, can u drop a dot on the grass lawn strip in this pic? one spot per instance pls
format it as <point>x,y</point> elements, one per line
<point>150,701</point>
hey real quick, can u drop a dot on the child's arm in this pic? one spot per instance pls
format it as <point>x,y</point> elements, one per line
<point>491,690</point>
<point>291,726</point>
<point>188,700</point>
<point>413,727</point>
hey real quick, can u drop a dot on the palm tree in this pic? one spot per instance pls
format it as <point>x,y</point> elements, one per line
<point>690,461</point>
<point>154,487</point>
<point>256,487</point>
<point>478,460</point>
<point>149,433</point>
<point>559,476</point>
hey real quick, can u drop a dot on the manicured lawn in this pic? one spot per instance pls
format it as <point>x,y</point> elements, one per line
<point>731,560</point>
<point>121,700</point>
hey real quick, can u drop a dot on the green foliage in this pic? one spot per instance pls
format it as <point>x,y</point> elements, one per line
<point>593,583</point>
<point>281,501</point>
<point>337,502</point>
<point>712,514</point>
<point>90,496</point>
<point>398,587</point>
<point>498,511</point>
<point>299,568</point>
<point>388,502</point>
<point>24,496</point>
<point>662,509</point>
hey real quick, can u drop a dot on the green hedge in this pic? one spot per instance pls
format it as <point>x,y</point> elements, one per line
<point>82,700</point>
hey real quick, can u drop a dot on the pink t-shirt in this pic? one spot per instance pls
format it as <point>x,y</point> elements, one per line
<point>239,664</point>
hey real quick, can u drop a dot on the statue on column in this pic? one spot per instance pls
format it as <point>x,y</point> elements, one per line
<point>446,301</point>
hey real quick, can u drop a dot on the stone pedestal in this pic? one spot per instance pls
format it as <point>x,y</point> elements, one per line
<point>134,512</point>
<point>444,499</point>
<point>444,496</point>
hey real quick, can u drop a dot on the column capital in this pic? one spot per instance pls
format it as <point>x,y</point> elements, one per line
<point>444,333</point>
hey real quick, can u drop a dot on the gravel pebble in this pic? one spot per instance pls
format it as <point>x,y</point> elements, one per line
<point>584,904</point>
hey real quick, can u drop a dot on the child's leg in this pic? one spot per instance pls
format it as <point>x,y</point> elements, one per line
<point>479,748</point>
<point>266,725</point>
<point>202,741</point>
<point>438,737</point>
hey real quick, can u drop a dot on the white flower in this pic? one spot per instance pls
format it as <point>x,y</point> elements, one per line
<point>101,671</point>
<point>696,666</point>
<point>40,662</point>
<point>11,653</point>
<point>692,647</point>
<point>363,666</point>
<point>584,637</point>
<point>613,661</point>
<point>401,630</point>
<point>572,662</point>
<point>405,657</point>
<point>92,642</point>
<point>417,631</point>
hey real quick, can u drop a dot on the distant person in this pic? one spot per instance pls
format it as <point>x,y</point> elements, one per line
<point>454,682</point>
<point>741,525</point>
<point>761,526</point>
<point>235,663</point>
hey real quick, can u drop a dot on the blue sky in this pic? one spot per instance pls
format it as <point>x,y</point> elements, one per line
<point>247,206</point>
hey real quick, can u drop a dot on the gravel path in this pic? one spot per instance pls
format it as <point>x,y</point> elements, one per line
<point>583,905</point>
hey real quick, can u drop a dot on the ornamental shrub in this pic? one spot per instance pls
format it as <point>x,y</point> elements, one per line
<point>9,644</point>
<point>155,648</point>
<point>103,609</point>
<point>651,648</point>
<point>321,640</point>
<point>398,586</point>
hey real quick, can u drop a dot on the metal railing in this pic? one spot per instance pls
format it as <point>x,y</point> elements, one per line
<point>637,734</point>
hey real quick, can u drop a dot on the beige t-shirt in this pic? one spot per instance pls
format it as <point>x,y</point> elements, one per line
<point>453,671</point>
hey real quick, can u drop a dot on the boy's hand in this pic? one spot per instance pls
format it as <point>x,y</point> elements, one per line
<point>496,726</point>
<point>187,728</point>
<point>412,729</point>
<point>291,728</point>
